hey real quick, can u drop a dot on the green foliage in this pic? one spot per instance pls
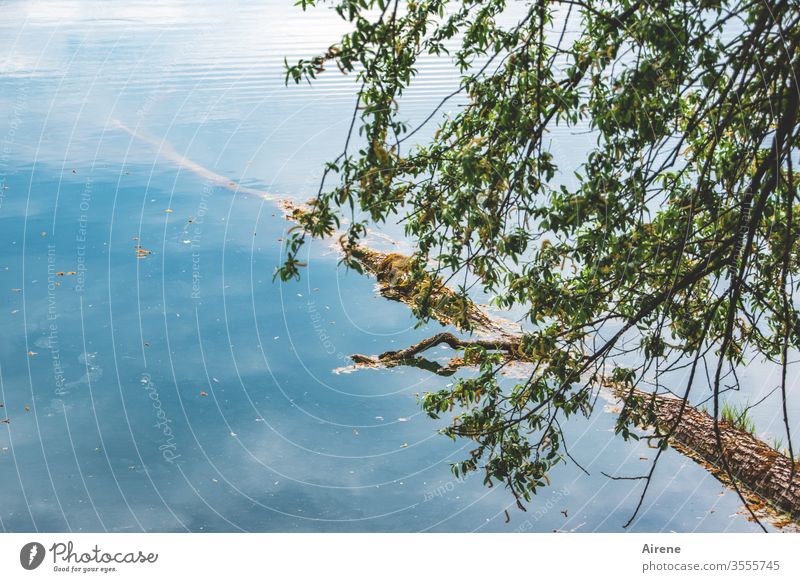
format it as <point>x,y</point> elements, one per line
<point>738,416</point>
<point>777,444</point>
<point>672,243</point>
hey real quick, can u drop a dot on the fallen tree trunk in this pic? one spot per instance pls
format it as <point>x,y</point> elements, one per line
<point>429,294</point>
<point>756,466</point>
<point>393,358</point>
<point>768,479</point>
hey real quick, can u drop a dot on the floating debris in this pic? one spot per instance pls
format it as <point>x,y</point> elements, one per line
<point>203,393</point>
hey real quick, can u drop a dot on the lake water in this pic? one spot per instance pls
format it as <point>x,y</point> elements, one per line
<point>180,388</point>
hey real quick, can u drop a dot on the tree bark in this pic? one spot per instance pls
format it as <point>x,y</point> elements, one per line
<point>755,465</point>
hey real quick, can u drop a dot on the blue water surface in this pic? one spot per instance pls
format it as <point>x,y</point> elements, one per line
<point>154,375</point>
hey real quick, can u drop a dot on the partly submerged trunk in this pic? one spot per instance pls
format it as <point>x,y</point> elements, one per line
<point>757,467</point>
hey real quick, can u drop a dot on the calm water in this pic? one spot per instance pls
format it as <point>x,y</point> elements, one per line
<point>182,389</point>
